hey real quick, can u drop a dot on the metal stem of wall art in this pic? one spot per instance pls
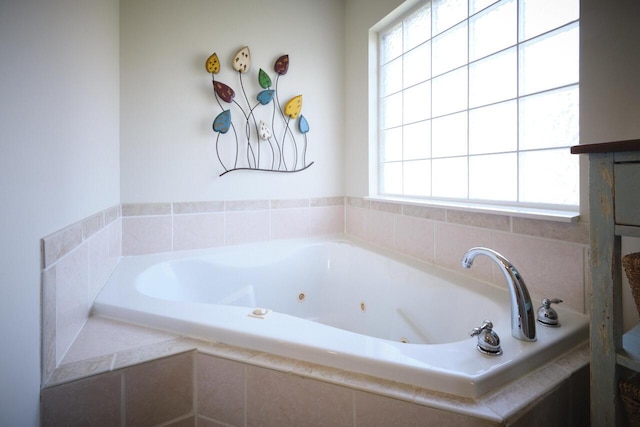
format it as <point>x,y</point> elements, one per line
<point>284,154</point>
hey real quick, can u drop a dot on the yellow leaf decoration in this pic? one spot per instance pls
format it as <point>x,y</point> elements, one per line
<point>242,60</point>
<point>293,107</point>
<point>213,64</point>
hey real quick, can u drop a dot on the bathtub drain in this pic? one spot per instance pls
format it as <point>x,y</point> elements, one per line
<point>405,340</point>
<point>301,296</point>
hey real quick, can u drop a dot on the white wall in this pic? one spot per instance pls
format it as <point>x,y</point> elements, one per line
<point>168,145</point>
<point>59,160</point>
<point>360,16</point>
<point>609,61</point>
<point>610,92</point>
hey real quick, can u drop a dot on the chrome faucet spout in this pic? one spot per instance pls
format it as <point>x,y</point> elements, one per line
<point>523,324</point>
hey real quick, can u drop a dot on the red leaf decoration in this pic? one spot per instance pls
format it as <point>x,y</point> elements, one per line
<point>223,91</point>
<point>282,65</point>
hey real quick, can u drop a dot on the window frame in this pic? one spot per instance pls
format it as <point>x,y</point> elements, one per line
<point>519,208</point>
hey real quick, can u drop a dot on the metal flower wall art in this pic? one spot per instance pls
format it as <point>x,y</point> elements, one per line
<point>265,138</point>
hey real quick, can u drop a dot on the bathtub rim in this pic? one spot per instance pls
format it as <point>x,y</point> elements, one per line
<point>500,406</point>
<point>467,386</point>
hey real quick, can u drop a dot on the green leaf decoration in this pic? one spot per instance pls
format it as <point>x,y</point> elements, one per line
<point>264,79</point>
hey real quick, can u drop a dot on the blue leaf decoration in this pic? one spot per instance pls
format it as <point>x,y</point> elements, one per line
<point>303,124</point>
<point>266,96</point>
<point>222,123</point>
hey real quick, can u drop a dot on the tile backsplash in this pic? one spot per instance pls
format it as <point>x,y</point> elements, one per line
<point>165,227</point>
<point>551,256</point>
<point>77,260</point>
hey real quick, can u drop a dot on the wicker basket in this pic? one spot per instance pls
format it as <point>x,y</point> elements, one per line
<point>630,396</point>
<point>631,264</point>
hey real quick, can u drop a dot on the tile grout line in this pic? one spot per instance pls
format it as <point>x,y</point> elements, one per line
<point>123,400</point>
<point>194,404</point>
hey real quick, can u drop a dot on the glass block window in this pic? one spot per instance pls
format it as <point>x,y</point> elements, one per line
<point>478,101</point>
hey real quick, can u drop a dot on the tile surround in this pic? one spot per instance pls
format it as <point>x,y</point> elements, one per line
<point>95,401</point>
<point>75,264</point>
<point>166,227</point>
<point>222,385</point>
<point>77,260</point>
<point>280,399</point>
<point>220,389</point>
<point>159,390</point>
<point>441,236</point>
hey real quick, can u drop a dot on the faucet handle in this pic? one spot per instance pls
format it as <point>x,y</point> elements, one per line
<point>547,316</point>
<point>486,325</point>
<point>488,339</point>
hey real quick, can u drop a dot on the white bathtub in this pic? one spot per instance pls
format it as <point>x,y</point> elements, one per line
<point>336,303</point>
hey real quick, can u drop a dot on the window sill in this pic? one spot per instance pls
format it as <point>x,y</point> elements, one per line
<point>518,212</point>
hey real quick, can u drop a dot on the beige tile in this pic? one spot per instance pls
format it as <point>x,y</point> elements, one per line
<point>141,209</point>
<point>353,380</point>
<point>81,369</point>
<point>569,232</point>
<point>324,220</point>
<point>425,212</point>
<point>476,219</point>
<point>379,227</point>
<point>206,422</point>
<point>451,243</point>
<point>358,202</point>
<point>48,322</point>
<point>198,231</point>
<point>246,227</point>
<point>289,223</point>
<point>223,350</point>
<point>414,237</point>
<point>373,410</point>
<point>327,201</point>
<point>512,400</point>
<point>197,207</point>
<point>460,405</point>
<point>386,207</point>
<point>72,309</point>
<point>355,221</point>
<point>289,203</point>
<point>281,399</point>
<point>111,214</point>
<point>274,362</point>
<point>550,268</point>
<point>60,243</point>
<point>103,259</point>
<point>575,360</point>
<point>101,336</point>
<point>159,391</point>
<point>247,205</point>
<point>140,354</point>
<point>114,231</point>
<point>189,421</point>
<point>220,389</point>
<point>90,402</point>
<point>146,235</point>
<point>92,225</point>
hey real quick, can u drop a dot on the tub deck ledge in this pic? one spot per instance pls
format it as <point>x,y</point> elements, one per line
<point>106,345</point>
